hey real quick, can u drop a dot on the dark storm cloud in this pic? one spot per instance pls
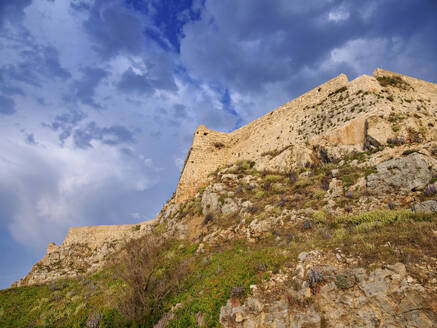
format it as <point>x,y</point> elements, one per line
<point>36,64</point>
<point>132,82</point>
<point>6,88</point>
<point>12,10</point>
<point>30,139</point>
<point>256,43</point>
<point>80,5</point>
<point>52,67</point>
<point>65,123</point>
<point>161,68</point>
<point>7,106</point>
<point>114,29</point>
<point>113,135</point>
<point>83,90</point>
<point>159,76</point>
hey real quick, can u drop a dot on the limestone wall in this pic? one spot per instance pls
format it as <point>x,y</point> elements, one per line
<point>97,235</point>
<point>336,111</point>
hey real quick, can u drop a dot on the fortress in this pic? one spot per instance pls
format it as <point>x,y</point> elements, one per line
<point>338,113</point>
<point>328,122</point>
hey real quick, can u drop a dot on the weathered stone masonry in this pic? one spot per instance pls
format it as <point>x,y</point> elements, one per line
<point>288,127</point>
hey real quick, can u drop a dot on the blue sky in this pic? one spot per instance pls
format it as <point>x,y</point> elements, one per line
<point>99,98</point>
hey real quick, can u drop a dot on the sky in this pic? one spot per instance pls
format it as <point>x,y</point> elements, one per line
<point>99,99</point>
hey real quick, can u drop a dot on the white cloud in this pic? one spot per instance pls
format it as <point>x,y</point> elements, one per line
<point>54,186</point>
<point>364,55</point>
<point>338,15</point>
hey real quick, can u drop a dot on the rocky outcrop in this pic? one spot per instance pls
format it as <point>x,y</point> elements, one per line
<point>321,292</point>
<point>403,174</point>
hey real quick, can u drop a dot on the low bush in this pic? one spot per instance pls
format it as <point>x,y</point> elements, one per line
<point>380,217</point>
<point>315,277</point>
<point>319,194</point>
<point>303,182</point>
<point>149,276</point>
<point>319,217</point>
<point>273,178</point>
<point>394,81</point>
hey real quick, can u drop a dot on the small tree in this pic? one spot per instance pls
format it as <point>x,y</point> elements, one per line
<point>149,276</point>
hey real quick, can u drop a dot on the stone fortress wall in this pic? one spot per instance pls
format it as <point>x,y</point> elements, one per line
<point>339,115</point>
<point>337,111</point>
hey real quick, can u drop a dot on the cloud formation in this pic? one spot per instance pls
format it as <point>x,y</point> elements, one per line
<point>99,98</point>
<point>7,105</point>
<point>12,11</point>
<point>292,46</point>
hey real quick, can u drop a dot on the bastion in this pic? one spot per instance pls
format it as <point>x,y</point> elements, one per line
<point>338,112</point>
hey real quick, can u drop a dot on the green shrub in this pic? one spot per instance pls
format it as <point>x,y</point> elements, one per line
<point>244,164</point>
<point>319,217</point>
<point>339,234</point>
<point>259,194</point>
<point>136,227</point>
<point>273,178</point>
<point>394,81</point>
<point>381,217</point>
<point>350,179</point>
<point>212,282</point>
<point>369,170</point>
<point>341,282</point>
<point>277,211</point>
<point>319,194</point>
<point>277,188</point>
<point>303,182</point>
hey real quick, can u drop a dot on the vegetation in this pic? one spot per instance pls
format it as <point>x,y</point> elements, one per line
<point>154,276</point>
<point>202,282</point>
<point>65,303</point>
<point>394,81</point>
<point>151,271</point>
<point>339,90</point>
<point>209,287</point>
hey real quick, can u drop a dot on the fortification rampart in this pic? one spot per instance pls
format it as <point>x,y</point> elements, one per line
<point>332,119</point>
<point>97,235</point>
<point>335,111</point>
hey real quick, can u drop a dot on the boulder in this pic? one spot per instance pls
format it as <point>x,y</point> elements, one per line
<point>335,188</point>
<point>229,207</point>
<point>229,177</point>
<point>217,187</point>
<point>429,206</point>
<point>401,174</point>
<point>210,202</point>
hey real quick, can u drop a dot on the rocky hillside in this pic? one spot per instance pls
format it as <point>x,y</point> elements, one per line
<point>323,213</point>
